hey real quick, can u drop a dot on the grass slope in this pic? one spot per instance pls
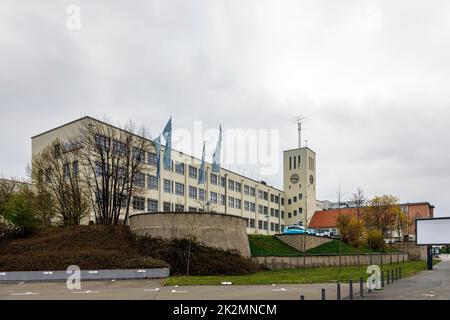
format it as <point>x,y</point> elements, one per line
<point>89,247</point>
<point>263,245</point>
<point>293,276</point>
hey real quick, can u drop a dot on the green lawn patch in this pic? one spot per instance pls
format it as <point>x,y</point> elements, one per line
<point>293,276</point>
<point>263,245</point>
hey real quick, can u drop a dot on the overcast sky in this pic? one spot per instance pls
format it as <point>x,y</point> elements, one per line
<point>372,79</point>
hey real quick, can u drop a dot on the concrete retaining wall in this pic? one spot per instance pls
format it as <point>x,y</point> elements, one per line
<point>85,275</point>
<point>221,231</point>
<point>289,262</point>
<point>415,252</point>
<point>296,240</point>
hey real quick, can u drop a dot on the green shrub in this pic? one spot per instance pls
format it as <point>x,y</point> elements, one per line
<point>375,239</point>
<point>18,209</point>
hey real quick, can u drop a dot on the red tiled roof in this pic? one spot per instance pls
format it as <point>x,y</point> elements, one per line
<point>328,218</point>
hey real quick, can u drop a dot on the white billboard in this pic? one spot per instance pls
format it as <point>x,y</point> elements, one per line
<point>433,231</point>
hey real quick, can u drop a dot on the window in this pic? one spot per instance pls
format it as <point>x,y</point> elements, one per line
<point>252,207</point>
<point>192,192</point>
<point>246,189</point>
<point>272,226</point>
<point>152,159</point>
<point>260,224</point>
<point>213,178</point>
<point>138,155</point>
<point>119,148</point>
<point>282,227</point>
<point>167,186</point>
<point>289,201</point>
<point>272,210</point>
<point>277,199</point>
<point>231,184</point>
<point>201,194</point>
<point>231,202</point>
<point>252,223</point>
<point>75,168</point>
<point>152,182</point>
<point>179,168</point>
<point>222,199</point>
<point>295,199</point>
<point>272,198</point>
<point>277,227</point>
<point>237,203</point>
<point>179,189</point>
<point>295,162</point>
<point>237,186</point>
<point>282,201</point>
<point>277,213</point>
<point>246,220</point>
<point>139,180</point>
<point>166,207</point>
<point>282,214</point>
<point>290,163</point>
<point>66,171</point>
<point>298,158</point>
<point>179,208</point>
<point>213,197</point>
<point>265,225</point>
<point>138,204</point>
<point>152,205</point>
<point>101,142</point>
<point>300,210</point>
<point>266,210</point>
<point>300,196</point>
<point>289,215</point>
<point>260,194</point>
<point>246,205</point>
<point>193,171</point>
<point>295,213</point>
<point>222,182</point>
<point>252,191</point>
<point>192,209</point>
<point>260,209</point>
<point>266,195</point>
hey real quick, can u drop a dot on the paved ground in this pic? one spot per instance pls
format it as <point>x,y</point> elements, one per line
<point>153,290</point>
<point>426,285</point>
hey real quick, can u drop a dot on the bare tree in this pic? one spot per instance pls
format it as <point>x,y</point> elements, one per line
<point>112,161</point>
<point>55,177</point>
<point>359,200</point>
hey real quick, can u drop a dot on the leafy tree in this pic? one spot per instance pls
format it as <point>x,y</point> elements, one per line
<point>351,229</point>
<point>19,210</point>
<point>375,239</point>
<point>382,214</point>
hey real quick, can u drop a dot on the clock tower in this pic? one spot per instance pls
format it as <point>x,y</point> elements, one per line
<point>299,176</point>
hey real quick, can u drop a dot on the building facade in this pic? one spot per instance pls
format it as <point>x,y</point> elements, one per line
<point>266,209</point>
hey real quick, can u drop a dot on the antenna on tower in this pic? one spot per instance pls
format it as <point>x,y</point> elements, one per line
<point>299,128</point>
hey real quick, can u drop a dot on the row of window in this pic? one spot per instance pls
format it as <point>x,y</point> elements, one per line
<point>294,213</point>
<point>263,225</point>
<point>294,199</point>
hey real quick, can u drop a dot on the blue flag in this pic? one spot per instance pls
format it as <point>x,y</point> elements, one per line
<point>201,173</point>
<point>157,143</point>
<point>217,153</point>
<point>167,134</point>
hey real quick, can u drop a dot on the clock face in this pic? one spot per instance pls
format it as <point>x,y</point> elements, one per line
<point>311,179</point>
<point>295,178</point>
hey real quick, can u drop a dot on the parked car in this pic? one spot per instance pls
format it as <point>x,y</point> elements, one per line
<point>323,233</point>
<point>294,229</point>
<point>311,232</point>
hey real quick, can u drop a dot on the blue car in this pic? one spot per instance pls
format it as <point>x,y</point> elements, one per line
<point>295,229</point>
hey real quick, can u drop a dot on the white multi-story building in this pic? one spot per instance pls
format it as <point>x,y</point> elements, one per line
<point>267,209</point>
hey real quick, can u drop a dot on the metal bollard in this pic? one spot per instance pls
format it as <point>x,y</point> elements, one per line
<point>388,277</point>
<point>323,294</point>
<point>361,287</point>
<point>338,291</point>
<point>350,289</point>
<point>396,274</point>
<point>400,270</point>
<point>382,279</point>
<point>392,276</point>
<point>302,297</point>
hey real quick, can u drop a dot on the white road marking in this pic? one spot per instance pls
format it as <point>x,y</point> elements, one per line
<point>281,289</point>
<point>21,282</point>
<point>24,293</point>
<point>428,294</point>
<point>88,291</point>
<point>151,290</point>
<point>175,291</point>
<point>226,283</point>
